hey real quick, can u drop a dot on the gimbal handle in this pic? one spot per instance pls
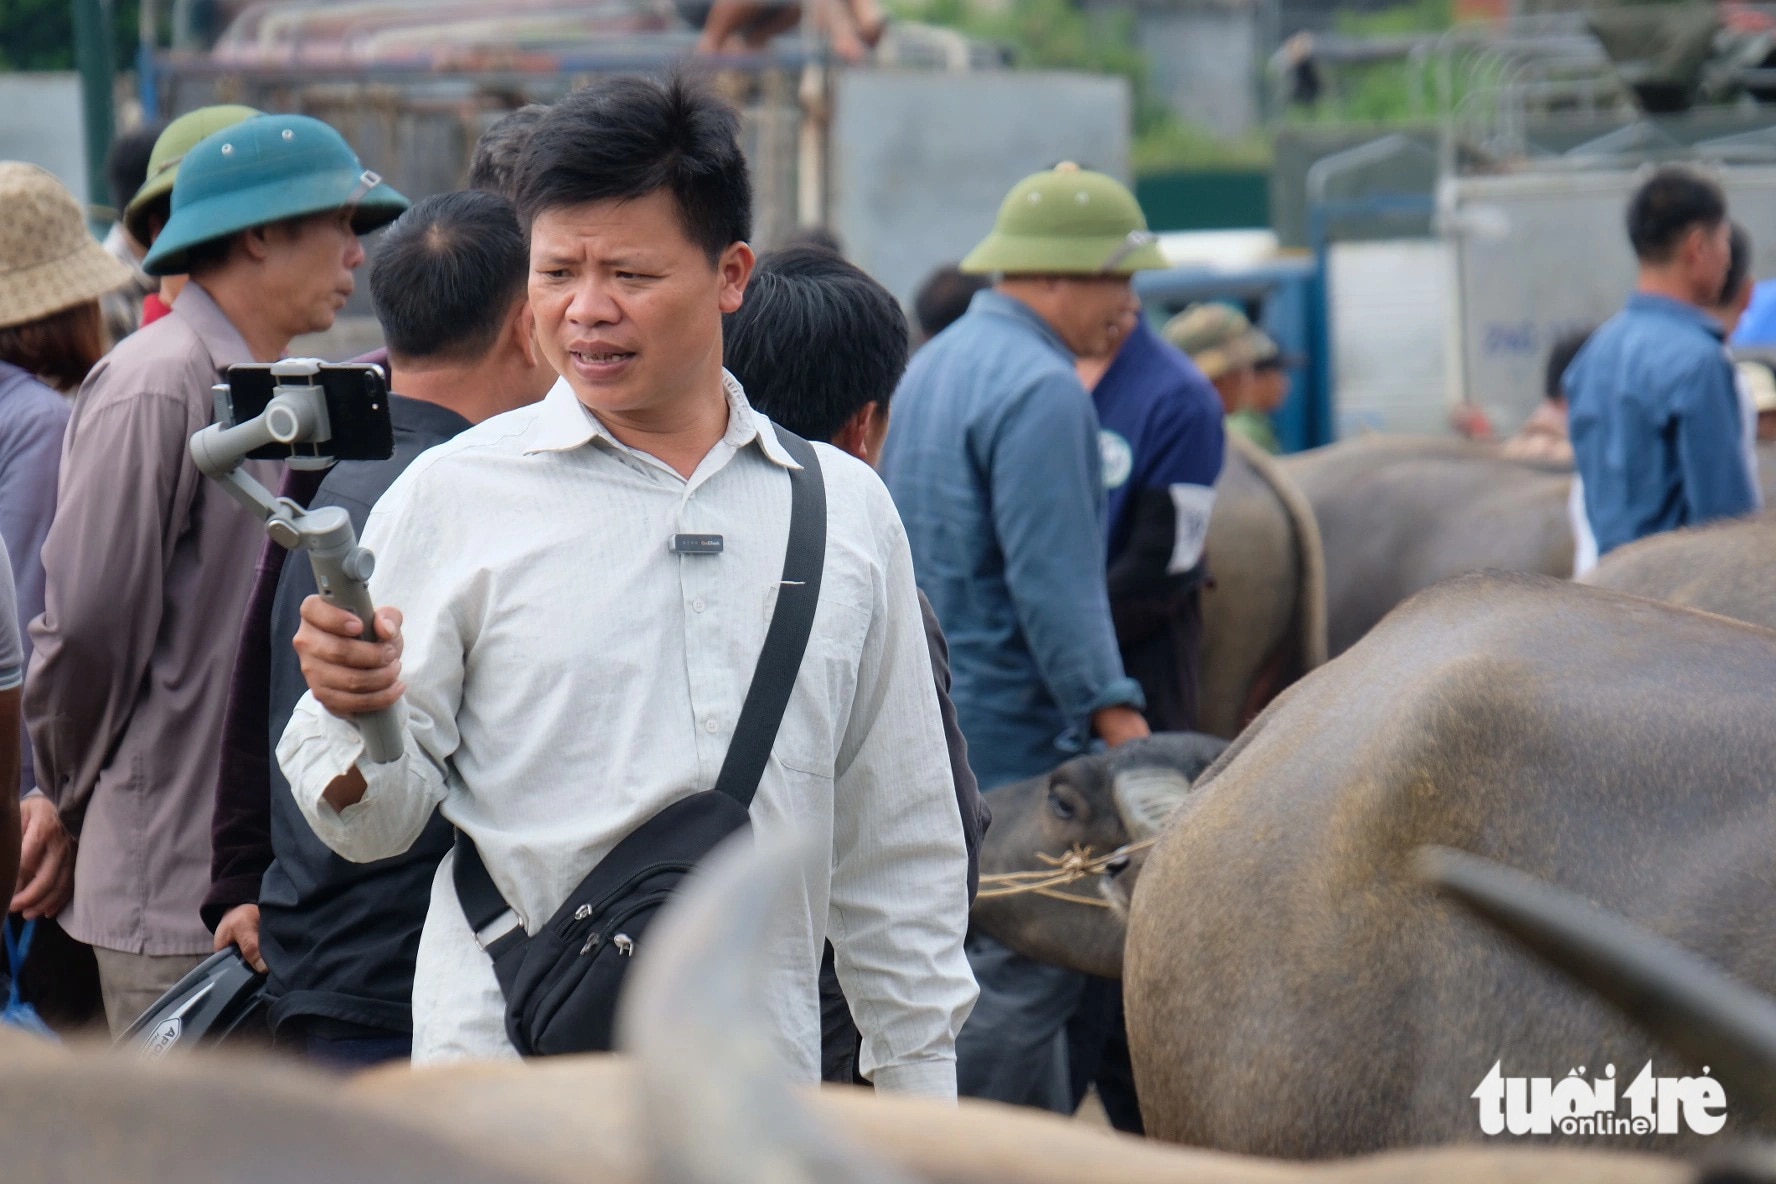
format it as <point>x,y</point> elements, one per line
<point>298,414</point>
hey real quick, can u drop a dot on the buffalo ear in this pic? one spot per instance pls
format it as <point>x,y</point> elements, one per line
<point>1146,797</point>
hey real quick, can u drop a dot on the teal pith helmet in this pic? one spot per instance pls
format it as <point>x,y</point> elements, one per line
<point>1067,221</point>
<point>263,171</point>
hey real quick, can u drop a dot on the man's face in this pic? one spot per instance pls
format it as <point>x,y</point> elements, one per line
<point>1095,313</point>
<point>307,276</point>
<point>1270,388</point>
<point>1235,389</point>
<point>628,309</point>
<point>1709,253</point>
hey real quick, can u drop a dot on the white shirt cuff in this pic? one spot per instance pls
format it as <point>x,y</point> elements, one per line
<point>923,1079</point>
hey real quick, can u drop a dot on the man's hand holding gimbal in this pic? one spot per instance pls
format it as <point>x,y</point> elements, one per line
<point>349,676</point>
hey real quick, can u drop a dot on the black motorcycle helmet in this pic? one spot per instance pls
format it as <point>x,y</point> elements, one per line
<point>222,997</point>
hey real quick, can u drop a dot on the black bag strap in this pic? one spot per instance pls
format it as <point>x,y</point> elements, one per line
<point>761,713</point>
<point>804,560</point>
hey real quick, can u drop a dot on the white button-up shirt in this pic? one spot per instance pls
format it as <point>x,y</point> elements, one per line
<point>568,677</point>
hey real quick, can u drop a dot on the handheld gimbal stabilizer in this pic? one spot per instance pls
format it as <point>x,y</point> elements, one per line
<point>315,414</point>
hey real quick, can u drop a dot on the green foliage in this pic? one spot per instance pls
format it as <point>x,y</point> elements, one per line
<point>1384,91</point>
<point>1420,16</point>
<point>1044,34</point>
<point>1171,145</point>
<point>1056,34</point>
<point>39,34</point>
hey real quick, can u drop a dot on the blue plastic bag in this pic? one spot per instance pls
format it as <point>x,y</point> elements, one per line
<point>18,1013</point>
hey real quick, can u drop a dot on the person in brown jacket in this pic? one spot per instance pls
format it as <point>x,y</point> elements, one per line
<point>148,567</point>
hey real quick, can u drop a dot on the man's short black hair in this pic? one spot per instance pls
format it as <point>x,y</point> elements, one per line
<point>446,274</point>
<point>494,167</point>
<point>944,297</point>
<point>623,138</point>
<point>1668,206</point>
<point>815,341</point>
<point>1738,266</point>
<point>823,237</point>
<point>126,168</point>
<point>1566,347</point>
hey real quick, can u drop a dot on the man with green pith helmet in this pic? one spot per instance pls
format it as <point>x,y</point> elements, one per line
<point>994,464</point>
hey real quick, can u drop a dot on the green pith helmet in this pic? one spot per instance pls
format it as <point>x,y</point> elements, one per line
<point>263,171</point>
<point>1219,339</point>
<point>181,136</point>
<point>1067,221</point>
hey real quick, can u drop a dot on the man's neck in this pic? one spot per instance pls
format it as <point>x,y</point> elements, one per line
<point>1028,293</point>
<point>238,304</point>
<point>680,435</point>
<point>473,392</point>
<point>1660,281</point>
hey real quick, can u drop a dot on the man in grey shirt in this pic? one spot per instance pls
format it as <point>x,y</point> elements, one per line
<point>147,566</point>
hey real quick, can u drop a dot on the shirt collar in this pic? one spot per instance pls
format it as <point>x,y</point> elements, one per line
<point>425,419</point>
<point>997,303</point>
<point>1677,310</point>
<point>564,424</point>
<point>205,318</point>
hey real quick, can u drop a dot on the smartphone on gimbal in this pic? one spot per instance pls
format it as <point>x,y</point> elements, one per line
<point>357,399</point>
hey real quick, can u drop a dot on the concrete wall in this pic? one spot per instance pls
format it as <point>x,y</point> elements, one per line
<point>44,125</point>
<point>1204,62</point>
<point>920,161</point>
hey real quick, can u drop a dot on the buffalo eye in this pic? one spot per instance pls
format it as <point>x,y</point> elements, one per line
<point>1060,807</point>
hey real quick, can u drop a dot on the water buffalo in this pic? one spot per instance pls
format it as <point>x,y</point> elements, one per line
<point>1264,616</point>
<point>701,1102</point>
<point>1400,513</point>
<point>1094,804</point>
<point>1293,990</point>
<point>1729,568</point>
<point>89,1116</point>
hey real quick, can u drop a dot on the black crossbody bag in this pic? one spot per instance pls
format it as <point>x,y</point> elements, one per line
<point>561,984</point>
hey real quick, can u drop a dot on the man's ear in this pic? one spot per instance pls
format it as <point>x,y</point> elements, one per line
<point>853,435</point>
<point>735,267</point>
<point>523,330</point>
<point>256,243</point>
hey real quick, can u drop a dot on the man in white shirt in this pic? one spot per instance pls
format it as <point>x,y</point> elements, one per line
<point>562,676</point>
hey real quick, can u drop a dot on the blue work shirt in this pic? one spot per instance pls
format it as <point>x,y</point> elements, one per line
<point>1161,435</point>
<point>993,462</point>
<point>1656,431</point>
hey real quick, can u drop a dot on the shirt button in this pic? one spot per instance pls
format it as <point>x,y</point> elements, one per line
<point>709,725</point>
<point>697,605</point>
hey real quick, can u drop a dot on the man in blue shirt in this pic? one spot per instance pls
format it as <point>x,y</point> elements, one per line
<point>1655,420</point>
<point>994,464</point>
<point>1161,434</point>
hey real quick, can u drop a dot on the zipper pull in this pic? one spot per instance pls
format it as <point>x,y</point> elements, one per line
<point>624,943</point>
<point>581,913</point>
<point>591,940</point>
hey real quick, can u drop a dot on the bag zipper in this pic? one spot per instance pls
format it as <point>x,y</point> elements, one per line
<point>587,912</point>
<point>622,941</point>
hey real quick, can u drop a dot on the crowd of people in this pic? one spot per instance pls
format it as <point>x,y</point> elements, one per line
<point>599,398</point>
<point>586,364</point>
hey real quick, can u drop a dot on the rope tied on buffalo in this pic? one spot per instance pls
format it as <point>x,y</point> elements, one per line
<point>1077,864</point>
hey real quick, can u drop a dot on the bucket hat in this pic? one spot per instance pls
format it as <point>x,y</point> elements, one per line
<point>263,171</point>
<point>1067,221</point>
<point>1219,339</point>
<point>180,136</point>
<point>49,261</point>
